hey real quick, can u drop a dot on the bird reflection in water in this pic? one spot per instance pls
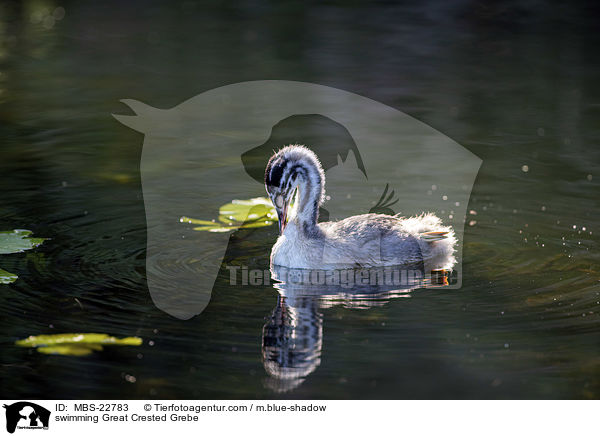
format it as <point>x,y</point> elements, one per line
<point>293,335</point>
<point>292,342</point>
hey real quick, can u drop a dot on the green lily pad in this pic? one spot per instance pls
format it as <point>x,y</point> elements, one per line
<point>75,344</point>
<point>17,241</point>
<point>71,349</point>
<point>242,210</point>
<point>6,277</point>
<point>239,214</point>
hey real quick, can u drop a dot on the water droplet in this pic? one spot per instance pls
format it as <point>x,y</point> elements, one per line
<point>130,378</point>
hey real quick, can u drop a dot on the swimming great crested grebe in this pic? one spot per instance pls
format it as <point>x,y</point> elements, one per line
<point>369,240</point>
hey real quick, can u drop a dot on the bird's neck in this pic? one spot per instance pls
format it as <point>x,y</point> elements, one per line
<point>309,199</point>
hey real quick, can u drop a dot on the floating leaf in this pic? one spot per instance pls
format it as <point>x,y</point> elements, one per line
<point>241,210</point>
<point>6,277</point>
<point>15,241</point>
<point>185,219</point>
<point>433,236</point>
<point>239,214</point>
<point>75,344</point>
<point>71,349</point>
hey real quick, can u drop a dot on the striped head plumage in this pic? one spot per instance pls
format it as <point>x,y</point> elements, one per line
<point>295,167</point>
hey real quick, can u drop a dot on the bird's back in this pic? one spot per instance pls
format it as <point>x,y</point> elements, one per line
<point>370,240</point>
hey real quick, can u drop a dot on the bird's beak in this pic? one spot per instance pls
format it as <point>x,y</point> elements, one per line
<point>282,216</point>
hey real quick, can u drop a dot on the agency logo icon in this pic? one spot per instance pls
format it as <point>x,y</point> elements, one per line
<point>214,147</point>
<point>26,415</point>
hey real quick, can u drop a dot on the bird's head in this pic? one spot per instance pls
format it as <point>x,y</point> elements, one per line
<point>290,169</point>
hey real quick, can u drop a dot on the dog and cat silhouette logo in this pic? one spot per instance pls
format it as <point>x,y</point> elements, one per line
<point>213,148</point>
<point>26,415</point>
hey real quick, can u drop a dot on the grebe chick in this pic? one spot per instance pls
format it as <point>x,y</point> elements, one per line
<point>369,240</point>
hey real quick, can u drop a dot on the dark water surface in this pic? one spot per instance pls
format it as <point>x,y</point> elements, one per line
<point>518,85</point>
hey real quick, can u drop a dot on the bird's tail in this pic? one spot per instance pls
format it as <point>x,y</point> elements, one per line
<point>434,236</point>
